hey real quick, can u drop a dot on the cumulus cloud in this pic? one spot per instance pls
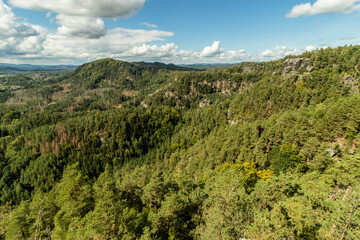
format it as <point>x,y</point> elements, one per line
<point>84,27</point>
<point>234,56</point>
<point>212,50</point>
<point>134,46</point>
<point>324,6</point>
<point>153,51</point>
<point>81,39</point>
<point>149,25</point>
<point>13,26</point>
<point>279,52</point>
<point>115,44</point>
<point>170,53</point>
<point>309,48</point>
<point>83,18</point>
<point>21,41</point>
<point>18,37</point>
<point>88,8</point>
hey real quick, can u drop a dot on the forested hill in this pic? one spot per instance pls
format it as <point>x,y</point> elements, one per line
<point>116,150</point>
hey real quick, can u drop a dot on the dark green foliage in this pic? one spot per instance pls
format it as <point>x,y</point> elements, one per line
<point>286,158</point>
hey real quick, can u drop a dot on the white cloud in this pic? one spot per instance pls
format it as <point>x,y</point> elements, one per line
<point>87,8</point>
<point>212,50</point>
<point>310,48</point>
<point>82,18</point>
<point>13,26</point>
<point>324,6</point>
<point>114,44</point>
<point>170,53</point>
<point>234,56</point>
<point>16,36</point>
<point>152,51</point>
<point>84,27</point>
<point>22,42</point>
<point>149,25</point>
<point>278,52</point>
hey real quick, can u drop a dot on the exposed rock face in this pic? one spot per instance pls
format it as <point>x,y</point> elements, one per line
<point>227,87</point>
<point>292,65</point>
<point>169,94</point>
<point>352,83</point>
<point>144,105</point>
<point>249,69</point>
<point>204,103</point>
<point>245,86</point>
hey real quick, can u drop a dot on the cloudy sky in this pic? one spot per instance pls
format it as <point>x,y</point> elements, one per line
<point>176,31</point>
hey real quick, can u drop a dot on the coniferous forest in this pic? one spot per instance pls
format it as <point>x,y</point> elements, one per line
<point>118,150</point>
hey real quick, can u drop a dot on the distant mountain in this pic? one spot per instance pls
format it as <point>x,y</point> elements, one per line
<point>207,66</point>
<point>9,68</point>
<point>169,66</point>
<point>6,68</point>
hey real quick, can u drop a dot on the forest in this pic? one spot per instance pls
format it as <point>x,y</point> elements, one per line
<point>118,150</point>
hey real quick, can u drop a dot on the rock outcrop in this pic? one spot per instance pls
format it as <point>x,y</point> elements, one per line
<point>293,65</point>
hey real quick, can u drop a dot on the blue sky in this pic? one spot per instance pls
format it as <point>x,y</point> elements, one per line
<point>212,31</point>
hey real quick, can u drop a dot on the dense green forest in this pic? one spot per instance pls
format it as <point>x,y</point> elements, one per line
<point>117,150</point>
